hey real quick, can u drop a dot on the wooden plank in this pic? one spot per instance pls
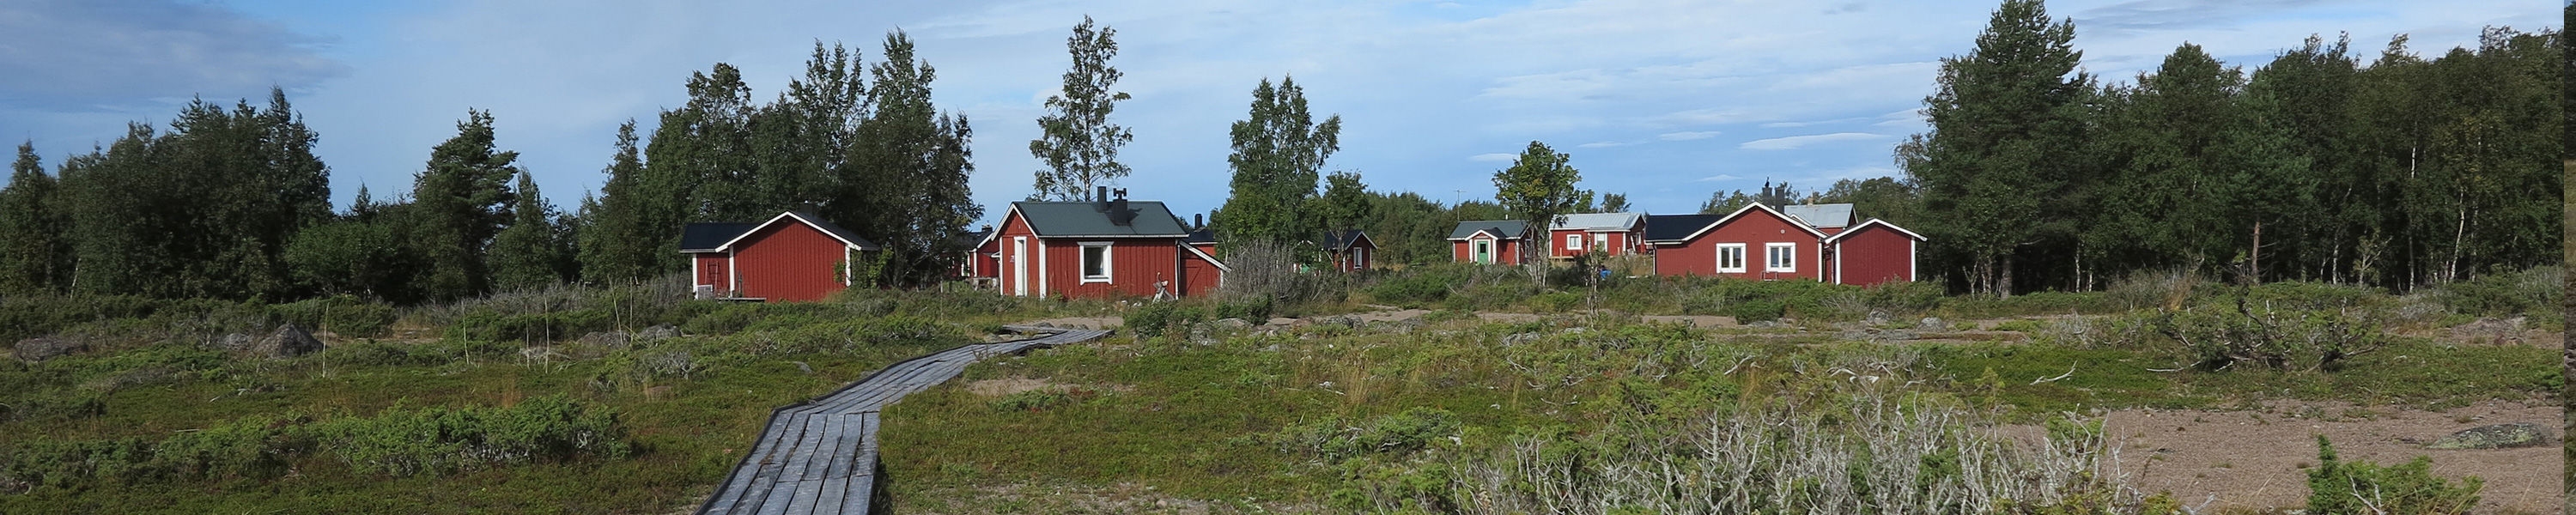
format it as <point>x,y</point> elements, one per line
<point>820,457</point>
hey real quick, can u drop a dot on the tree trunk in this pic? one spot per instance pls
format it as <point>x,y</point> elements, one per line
<point>2254,259</point>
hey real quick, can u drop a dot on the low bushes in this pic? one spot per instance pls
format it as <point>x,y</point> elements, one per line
<point>2337,487</point>
<point>398,442</point>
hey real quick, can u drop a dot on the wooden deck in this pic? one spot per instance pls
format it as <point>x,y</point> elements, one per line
<point>820,457</point>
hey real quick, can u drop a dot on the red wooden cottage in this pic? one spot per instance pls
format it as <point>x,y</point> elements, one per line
<point>1107,247</point>
<point>1872,252</point>
<point>980,263</point>
<point>1488,241</point>
<point>1755,242</point>
<point>1348,250</point>
<point>1758,242</point>
<point>795,256</point>
<point>1612,233</point>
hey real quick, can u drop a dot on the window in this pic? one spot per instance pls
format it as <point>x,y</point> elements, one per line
<point>1781,257</point>
<point>1601,241</point>
<point>1095,262</point>
<point>1730,258</point>
<point>1574,242</point>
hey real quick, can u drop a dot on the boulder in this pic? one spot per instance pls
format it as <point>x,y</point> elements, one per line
<point>236,342</point>
<point>44,348</point>
<point>656,333</point>
<point>2518,434</point>
<point>605,339</point>
<point>1230,324</point>
<point>1520,338</point>
<point>1875,318</point>
<point>289,341</point>
<point>1933,323</point>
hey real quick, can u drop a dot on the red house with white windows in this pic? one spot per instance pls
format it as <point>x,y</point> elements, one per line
<point>1488,241</point>
<point>1104,248</point>
<point>1612,233</point>
<point>795,256</point>
<point>1348,251</point>
<point>1758,242</point>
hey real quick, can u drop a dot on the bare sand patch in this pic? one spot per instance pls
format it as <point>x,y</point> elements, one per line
<point>2258,459</point>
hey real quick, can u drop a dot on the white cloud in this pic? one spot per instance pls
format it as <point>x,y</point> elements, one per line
<point>1493,157</point>
<point>1687,136</point>
<point>1718,177</point>
<point>1795,142</point>
<point>1605,144</point>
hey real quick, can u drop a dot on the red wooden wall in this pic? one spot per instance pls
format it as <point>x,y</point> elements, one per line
<point>1619,244</point>
<point>711,271</point>
<point>789,262</point>
<point>1754,229</point>
<point>1874,255</point>
<point>1506,252</point>
<point>1198,276</point>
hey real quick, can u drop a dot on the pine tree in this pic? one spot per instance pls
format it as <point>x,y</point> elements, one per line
<point>1346,201</point>
<point>617,246</point>
<point>910,164</point>
<point>34,253</point>
<point>1079,145</point>
<point>530,253</point>
<point>2004,120</point>
<point>459,203</point>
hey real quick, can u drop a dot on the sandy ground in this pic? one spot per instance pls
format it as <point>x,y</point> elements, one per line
<point>2255,458</point>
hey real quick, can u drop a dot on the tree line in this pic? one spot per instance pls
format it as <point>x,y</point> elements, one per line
<point>231,203</point>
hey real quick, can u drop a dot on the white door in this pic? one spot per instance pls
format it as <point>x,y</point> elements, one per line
<point>1020,266</point>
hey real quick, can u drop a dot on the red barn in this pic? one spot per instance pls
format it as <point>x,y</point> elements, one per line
<point>795,256</point>
<point>1612,233</point>
<point>1100,249</point>
<point>1872,252</point>
<point>1348,250</point>
<point>1488,241</point>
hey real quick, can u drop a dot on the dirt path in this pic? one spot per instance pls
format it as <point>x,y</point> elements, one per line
<point>2257,458</point>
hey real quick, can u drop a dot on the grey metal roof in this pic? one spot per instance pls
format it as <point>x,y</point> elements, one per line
<point>1822,216</point>
<point>1060,219</point>
<point>1597,221</point>
<point>1508,229</point>
<point>1202,236</point>
<point>835,230</point>
<point>706,236</point>
<point>1677,227</point>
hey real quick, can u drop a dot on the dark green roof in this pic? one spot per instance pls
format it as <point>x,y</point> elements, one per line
<point>1060,219</point>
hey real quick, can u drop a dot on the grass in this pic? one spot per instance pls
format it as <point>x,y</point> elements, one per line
<point>1366,417</point>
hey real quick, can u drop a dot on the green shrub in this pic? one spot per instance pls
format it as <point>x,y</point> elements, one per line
<point>438,440</point>
<point>1761,310</point>
<point>1418,287</point>
<point>1334,440</point>
<point>1253,309</point>
<point>55,405</point>
<point>379,354</point>
<point>2336,487</point>
<point>2021,325</point>
<point>1042,399</point>
<point>343,315</point>
<point>1156,318</point>
<point>2536,292</point>
<point>1556,302</point>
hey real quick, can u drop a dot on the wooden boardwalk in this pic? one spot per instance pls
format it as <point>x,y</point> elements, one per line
<point>820,457</point>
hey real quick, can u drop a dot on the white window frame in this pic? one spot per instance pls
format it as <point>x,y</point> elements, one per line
<point>1481,251</point>
<point>1601,241</point>
<point>1108,263</point>
<point>1780,257</point>
<point>1740,258</point>
<point>1574,241</point>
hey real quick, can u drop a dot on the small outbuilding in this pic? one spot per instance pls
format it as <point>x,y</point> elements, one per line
<point>795,256</point>
<point>1488,241</point>
<point>1103,248</point>
<point>1348,250</point>
<point>1613,234</point>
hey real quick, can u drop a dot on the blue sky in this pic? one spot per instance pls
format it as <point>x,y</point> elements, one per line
<point>1664,100</point>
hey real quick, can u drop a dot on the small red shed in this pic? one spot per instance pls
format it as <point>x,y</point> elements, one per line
<point>1577,234</point>
<point>795,256</point>
<point>1872,252</point>
<point>1348,250</point>
<point>1488,241</point>
<point>1108,247</point>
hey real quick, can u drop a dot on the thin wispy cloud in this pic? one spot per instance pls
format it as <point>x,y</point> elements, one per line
<point>1687,136</point>
<point>1493,158</point>
<point>1797,142</point>
<point>100,54</point>
<point>1718,177</point>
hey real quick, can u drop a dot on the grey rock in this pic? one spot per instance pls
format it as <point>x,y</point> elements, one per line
<point>1575,330</point>
<point>1767,324</point>
<point>1875,318</point>
<point>236,342</point>
<point>1931,323</point>
<point>606,339</point>
<point>1341,320</point>
<point>44,348</point>
<point>1517,339</point>
<point>289,341</point>
<point>1230,324</point>
<point>2518,434</point>
<point>656,333</point>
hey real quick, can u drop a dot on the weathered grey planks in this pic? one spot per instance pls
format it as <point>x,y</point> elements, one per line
<point>819,457</point>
